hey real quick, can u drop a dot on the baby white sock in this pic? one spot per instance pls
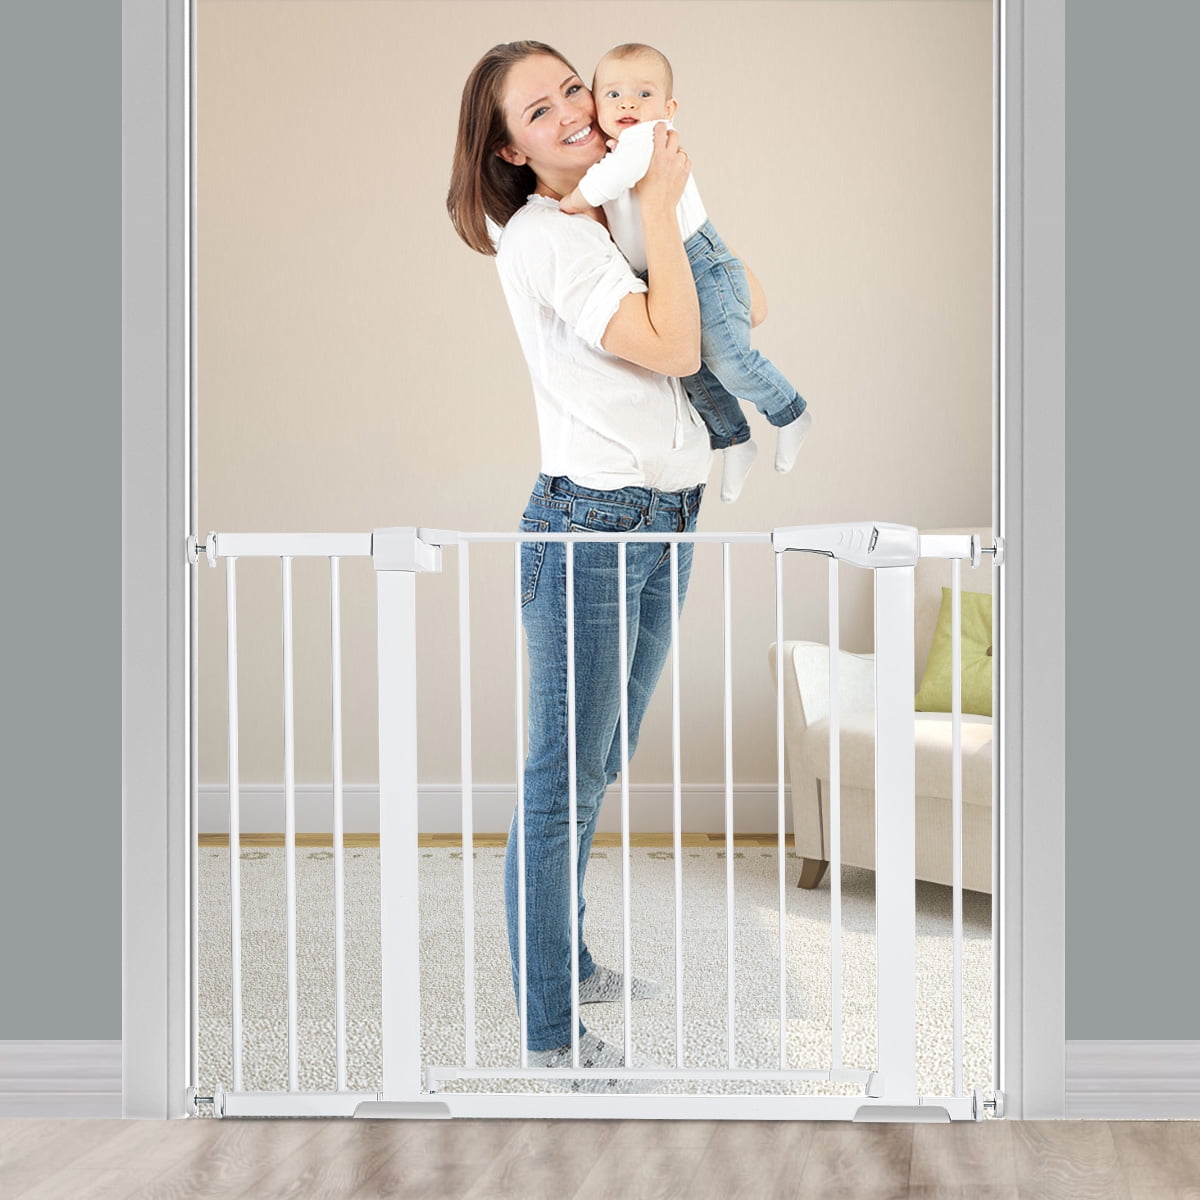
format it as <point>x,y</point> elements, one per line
<point>593,1053</point>
<point>791,438</point>
<point>736,462</point>
<point>603,986</point>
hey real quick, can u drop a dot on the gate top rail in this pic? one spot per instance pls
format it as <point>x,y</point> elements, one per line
<point>867,544</point>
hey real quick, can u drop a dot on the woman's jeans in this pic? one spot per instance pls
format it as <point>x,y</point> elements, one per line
<point>559,505</point>
<point>730,366</point>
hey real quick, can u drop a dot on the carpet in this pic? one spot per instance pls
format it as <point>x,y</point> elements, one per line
<point>756,986</point>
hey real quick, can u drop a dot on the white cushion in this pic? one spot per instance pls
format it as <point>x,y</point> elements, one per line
<point>934,740</point>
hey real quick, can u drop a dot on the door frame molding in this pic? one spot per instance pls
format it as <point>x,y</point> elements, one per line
<point>158,514</point>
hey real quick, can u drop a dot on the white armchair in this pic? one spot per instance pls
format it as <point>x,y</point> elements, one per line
<point>806,728</point>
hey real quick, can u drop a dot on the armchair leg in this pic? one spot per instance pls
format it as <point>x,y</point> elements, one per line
<point>812,871</point>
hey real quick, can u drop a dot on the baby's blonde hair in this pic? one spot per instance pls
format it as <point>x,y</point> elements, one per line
<point>641,50</point>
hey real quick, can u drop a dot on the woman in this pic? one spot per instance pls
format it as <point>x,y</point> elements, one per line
<point>621,450</point>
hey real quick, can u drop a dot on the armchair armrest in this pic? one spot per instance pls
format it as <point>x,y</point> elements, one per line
<point>806,681</point>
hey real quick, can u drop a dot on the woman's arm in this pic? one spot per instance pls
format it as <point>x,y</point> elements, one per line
<point>660,329</point>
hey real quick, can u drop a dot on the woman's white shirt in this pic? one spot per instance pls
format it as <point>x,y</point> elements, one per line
<point>604,422</point>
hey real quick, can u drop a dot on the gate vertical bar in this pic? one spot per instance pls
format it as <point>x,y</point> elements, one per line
<point>956,803</point>
<point>835,815</point>
<point>397,554</point>
<point>727,640</point>
<point>289,827</point>
<point>626,880</point>
<point>519,721</point>
<point>235,822</point>
<point>676,804</point>
<point>468,800</point>
<point>781,811</point>
<point>895,833</point>
<point>339,823</point>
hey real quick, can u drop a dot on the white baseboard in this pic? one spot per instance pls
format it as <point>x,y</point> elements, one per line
<point>1146,1080</point>
<point>60,1079</point>
<point>755,805</point>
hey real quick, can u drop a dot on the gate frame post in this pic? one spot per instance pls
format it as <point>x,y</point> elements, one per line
<point>895,835</point>
<point>398,554</point>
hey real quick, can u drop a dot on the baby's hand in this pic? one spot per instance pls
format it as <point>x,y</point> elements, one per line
<point>573,202</point>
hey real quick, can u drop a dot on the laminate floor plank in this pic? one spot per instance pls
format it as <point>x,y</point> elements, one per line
<point>545,1160</point>
<point>1164,1193</point>
<point>439,1159</point>
<point>648,1160</point>
<point>1067,1160</point>
<point>336,1162</point>
<point>76,1183</point>
<point>1158,1153</point>
<point>966,1191</point>
<point>34,1143</point>
<point>750,1160</point>
<point>147,1144</point>
<point>847,1161</point>
<point>963,1153</point>
<point>231,1157</point>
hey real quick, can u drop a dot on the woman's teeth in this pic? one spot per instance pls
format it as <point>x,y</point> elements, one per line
<point>577,137</point>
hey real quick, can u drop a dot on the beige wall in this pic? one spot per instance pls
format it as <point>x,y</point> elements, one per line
<point>357,366</point>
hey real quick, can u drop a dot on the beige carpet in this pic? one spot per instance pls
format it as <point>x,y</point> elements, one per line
<point>705,972</point>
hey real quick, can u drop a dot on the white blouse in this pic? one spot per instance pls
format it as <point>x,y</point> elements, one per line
<point>604,421</point>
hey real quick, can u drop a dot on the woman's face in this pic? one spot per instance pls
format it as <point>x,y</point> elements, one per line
<point>551,122</point>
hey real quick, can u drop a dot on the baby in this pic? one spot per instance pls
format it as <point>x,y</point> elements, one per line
<point>633,89</point>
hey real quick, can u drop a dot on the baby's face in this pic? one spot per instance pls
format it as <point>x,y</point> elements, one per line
<point>629,91</point>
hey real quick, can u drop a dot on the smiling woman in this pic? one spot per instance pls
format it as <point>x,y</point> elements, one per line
<point>621,450</point>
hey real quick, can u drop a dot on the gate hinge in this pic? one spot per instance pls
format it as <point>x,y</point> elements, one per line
<point>986,1104</point>
<point>208,549</point>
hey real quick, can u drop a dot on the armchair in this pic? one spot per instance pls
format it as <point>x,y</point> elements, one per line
<point>806,732</point>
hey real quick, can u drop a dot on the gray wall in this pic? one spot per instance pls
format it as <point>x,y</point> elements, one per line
<point>1133,275</point>
<point>60,483</point>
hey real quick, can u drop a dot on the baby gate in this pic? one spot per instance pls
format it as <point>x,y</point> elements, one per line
<point>885,1089</point>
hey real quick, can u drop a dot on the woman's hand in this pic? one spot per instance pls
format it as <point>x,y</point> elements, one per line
<point>662,185</point>
<point>660,329</point>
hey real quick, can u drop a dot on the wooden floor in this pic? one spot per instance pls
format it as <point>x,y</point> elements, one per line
<point>598,1160</point>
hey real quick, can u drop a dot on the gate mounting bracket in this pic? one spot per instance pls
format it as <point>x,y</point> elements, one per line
<point>865,544</point>
<point>408,1110</point>
<point>904,1114</point>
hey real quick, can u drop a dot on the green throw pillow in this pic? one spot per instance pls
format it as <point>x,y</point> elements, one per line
<point>934,695</point>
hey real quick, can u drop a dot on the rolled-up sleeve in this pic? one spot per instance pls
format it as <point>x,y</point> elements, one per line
<point>579,273</point>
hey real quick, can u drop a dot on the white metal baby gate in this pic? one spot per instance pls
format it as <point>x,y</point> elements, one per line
<point>885,1090</point>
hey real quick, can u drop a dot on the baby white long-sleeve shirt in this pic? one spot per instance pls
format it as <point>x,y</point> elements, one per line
<point>610,183</point>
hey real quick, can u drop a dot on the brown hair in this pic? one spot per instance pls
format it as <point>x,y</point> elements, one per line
<point>482,184</point>
<point>641,50</point>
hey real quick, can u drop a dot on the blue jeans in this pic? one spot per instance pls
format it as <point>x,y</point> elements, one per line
<point>730,366</point>
<point>559,505</point>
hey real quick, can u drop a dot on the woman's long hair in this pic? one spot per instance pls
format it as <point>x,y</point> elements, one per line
<point>482,185</point>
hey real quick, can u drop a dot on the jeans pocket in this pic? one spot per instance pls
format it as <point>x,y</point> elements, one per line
<point>733,282</point>
<point>532,556</point>
<point>596,516</point>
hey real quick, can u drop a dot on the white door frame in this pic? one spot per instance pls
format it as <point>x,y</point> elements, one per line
<point>158,512</point>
